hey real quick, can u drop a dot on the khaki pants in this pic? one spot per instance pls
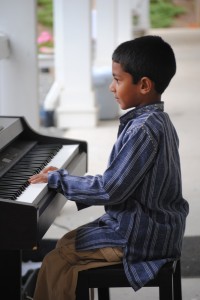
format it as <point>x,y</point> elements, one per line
<point>57,278</point>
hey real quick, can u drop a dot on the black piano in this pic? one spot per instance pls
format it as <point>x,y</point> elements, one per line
<point>27,211</point>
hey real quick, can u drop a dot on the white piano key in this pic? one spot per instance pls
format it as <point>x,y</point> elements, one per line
<point>60,160</point>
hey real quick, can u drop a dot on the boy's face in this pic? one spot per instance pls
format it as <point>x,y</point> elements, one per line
<point>126,93</point>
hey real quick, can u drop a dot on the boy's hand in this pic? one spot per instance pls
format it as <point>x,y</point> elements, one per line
<point>42,177</point>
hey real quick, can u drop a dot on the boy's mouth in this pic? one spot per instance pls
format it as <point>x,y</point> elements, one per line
<point>116,98</point>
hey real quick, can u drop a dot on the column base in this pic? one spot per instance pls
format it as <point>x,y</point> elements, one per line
<point>74,118</point>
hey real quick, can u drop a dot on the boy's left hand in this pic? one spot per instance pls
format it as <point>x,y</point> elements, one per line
<point>42,177</point>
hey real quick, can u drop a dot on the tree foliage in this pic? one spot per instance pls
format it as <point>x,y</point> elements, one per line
<point>163,12</point>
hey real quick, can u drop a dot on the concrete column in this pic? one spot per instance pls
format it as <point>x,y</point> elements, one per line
<point>19,71</point>
<point>73,58</point>
<point>141,17</point>
<point>114,26</point>
<point>124,21</point>
<point>106,30</point>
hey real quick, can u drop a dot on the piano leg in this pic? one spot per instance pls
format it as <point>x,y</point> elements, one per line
<point>10,274</point>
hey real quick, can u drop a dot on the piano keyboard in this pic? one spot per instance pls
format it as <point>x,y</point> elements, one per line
<point>14,184</point>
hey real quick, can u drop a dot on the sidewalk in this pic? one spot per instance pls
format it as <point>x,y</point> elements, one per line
<point>182,102</point>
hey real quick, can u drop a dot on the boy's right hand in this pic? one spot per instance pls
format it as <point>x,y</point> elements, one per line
<point>42,177</point>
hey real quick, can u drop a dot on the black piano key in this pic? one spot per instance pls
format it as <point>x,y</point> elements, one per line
<point>11,192</point>
<point>48,146</point>
<point>8,187</point>
<point>8,197</point>
<point>14,189</point>
<point>41,153</point>
<point>38,158</point>
<point>30,165</point>
<point>17,191</point>
<point>15,173</point>
<point>14,180</point>
<point>6,184</point>
<point>34,161</point>
<point>37,161</point>
<point>21,173</point>
<point>18,177</point>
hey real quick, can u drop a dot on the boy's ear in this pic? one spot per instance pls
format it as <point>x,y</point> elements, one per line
<point>146,85</point>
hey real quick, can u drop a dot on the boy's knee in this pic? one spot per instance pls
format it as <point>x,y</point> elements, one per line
<point>67,240</point>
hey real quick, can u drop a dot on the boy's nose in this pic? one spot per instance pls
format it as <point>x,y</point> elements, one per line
<point>111,87</point>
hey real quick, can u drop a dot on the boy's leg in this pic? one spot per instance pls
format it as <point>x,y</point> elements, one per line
<point>57,278</point>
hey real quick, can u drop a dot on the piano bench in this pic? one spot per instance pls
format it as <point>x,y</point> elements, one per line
<point>168,280</point>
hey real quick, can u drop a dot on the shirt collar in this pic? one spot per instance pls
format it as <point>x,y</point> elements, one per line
<point>141,110</point>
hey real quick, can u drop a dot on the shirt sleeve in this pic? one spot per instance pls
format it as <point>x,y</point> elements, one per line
<point>120,179</point>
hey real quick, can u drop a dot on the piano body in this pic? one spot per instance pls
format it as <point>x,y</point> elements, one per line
<point>27,211</point>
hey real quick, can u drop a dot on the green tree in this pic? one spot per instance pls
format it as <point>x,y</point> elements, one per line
<point>163,12</point>
<point>45,13</point>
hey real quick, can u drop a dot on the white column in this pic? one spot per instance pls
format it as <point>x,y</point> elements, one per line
<point>144,21</point>
<point>124,21</point>
<point>73,58</point>
<point>19,72</point>
<point>114,26</point>
<point>106,31</point>
<point>141,15</point>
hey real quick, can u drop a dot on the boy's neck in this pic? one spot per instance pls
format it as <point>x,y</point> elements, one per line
<point>151,101</point>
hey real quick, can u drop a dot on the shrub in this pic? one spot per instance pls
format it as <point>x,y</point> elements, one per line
<point>162,13</point>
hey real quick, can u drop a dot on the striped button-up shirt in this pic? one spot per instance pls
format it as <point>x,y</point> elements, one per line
<point>141,191</point>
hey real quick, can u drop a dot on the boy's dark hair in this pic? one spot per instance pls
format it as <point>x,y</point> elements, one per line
<point>148,56</point>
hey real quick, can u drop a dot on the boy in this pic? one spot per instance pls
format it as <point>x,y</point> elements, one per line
<point>145,211</point>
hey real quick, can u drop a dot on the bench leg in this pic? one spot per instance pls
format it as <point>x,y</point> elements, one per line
<point>103,294</point>
<point>166,290</point>
<point>82,289</point>
<point>82,294</point>
<point>177,282</point>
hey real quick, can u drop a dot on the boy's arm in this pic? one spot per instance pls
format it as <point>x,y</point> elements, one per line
<point>42,177</point>
<point>121,178</point>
